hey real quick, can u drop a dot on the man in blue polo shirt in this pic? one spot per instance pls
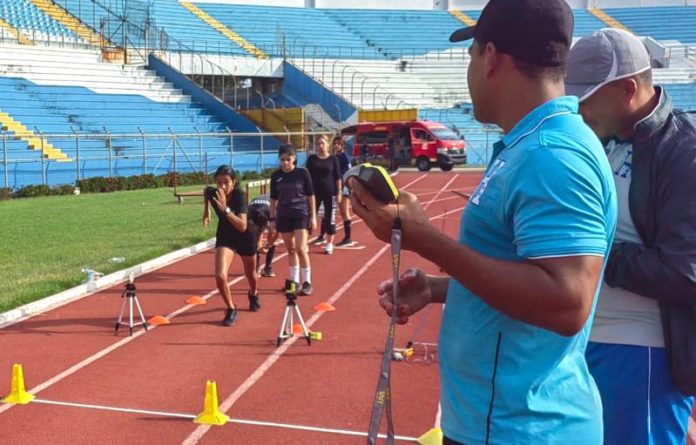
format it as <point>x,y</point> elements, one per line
<point>533,240</point>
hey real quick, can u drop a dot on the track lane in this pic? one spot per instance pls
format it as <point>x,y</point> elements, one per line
<point>178,387</point>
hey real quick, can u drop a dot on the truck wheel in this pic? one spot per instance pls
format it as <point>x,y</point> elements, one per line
<point>446,167</point>
<point>423,164</point>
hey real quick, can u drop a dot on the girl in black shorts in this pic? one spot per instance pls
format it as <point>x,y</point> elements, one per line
<point>339,149</point>
<point>234,234</point>
<point>326,178</point>
<point>293,213</point>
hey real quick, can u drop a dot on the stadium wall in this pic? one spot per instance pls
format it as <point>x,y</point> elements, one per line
<point>201,96</point>
<point>332,104</point>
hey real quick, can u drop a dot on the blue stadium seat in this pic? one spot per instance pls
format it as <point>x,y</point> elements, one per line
<point>25,16</point>
<point>661,23</point>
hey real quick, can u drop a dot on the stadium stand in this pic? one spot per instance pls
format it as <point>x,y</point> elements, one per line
<point>399,33</point>
<point>34,24</point>
<point>420,82</point>
<point>661,23</point>
<point>683,95</point>
<point>335,63</point>
<point>585,22</point>
<point>63,92</point>
<point>302,32</point>
<point>177,29</point>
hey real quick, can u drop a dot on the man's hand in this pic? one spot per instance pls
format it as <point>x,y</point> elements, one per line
<point>380,217</point>
<point>415,292</point>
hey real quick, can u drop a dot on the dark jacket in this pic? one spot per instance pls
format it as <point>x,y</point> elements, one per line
<point>662,202</point>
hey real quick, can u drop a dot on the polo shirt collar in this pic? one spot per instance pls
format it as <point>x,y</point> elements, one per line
<point>531,122</point>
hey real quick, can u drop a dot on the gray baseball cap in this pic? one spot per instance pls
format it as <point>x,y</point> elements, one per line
<point>603,57</point>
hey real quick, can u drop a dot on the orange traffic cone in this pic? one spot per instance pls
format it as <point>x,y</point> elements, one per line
<point>195,300</point>
<point>158,320</point>
<point>324,307</point>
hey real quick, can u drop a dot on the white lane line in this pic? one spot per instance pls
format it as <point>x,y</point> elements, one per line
<point>96,356</point>
<point>113,408</point>
<point>201,430</point>
<point>238,421</point>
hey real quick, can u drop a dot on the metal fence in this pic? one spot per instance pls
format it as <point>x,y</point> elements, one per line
<point>111,155</point>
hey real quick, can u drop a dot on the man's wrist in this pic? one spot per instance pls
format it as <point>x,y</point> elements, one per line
<point>438,286</point>
<point>423,242</point>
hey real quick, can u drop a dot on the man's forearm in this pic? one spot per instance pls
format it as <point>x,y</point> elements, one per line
<point>521,290</point>
<point>645,271</point>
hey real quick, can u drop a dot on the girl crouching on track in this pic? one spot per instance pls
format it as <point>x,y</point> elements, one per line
<point>233,234</point>
<point>293,213</point>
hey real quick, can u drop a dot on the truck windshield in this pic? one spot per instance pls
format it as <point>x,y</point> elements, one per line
<point>445,134</point>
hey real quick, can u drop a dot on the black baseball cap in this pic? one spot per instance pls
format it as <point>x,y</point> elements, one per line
<point>535,31</point>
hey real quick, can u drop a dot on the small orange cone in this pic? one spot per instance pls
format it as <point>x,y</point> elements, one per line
<point>324,307</point>
<point>432,437</point>
<point>158,320</point>
<point>211,414</point>
<point>18,393</point>
<point>297,329</point>
<point>196,300</point>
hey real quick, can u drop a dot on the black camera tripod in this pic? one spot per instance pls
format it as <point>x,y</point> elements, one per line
<point>129,297</point>
<point>286,327</point>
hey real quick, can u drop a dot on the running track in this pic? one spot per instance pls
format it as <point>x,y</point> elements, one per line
<point>70,354</point>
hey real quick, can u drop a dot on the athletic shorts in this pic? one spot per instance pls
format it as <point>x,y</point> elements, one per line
<point>641,404</point>
<point>287,225</point>
<point>244,244</point>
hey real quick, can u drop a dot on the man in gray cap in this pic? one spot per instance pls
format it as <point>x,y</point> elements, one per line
<point>642,340</point>
<point>524,271</point>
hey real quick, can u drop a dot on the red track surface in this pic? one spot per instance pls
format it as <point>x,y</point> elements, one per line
<point>329,384</point>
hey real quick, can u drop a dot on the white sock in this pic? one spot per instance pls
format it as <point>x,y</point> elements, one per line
<point>307,275</point>
<point>295,273</point>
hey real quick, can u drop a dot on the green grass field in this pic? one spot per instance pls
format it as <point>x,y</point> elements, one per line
<point>45,242</point>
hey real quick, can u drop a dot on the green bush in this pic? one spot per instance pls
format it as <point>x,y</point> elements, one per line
<point>139,182</point>
<point>63,190</point>
<point>31,191</point>
<point>251,176</point>
<point>100,184</point>
<point>5,193</point>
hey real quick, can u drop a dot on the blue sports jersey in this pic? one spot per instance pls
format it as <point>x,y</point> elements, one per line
<point>548,192</point>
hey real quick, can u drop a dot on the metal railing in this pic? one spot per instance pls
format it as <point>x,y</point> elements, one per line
<point>109,154</point>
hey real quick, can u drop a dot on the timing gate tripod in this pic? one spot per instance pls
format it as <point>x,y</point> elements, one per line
<point>286,327</point>
<point>129,297</point>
